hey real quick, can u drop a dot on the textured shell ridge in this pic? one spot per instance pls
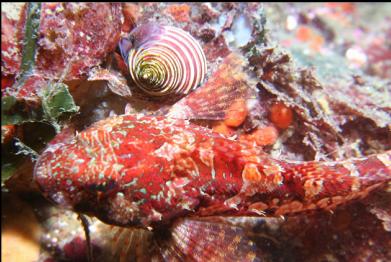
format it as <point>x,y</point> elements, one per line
<point>164,60</point>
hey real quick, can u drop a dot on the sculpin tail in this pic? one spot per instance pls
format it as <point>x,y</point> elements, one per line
<point>319,185</point>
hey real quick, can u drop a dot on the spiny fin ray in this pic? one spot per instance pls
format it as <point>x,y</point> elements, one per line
<point>212,100</point>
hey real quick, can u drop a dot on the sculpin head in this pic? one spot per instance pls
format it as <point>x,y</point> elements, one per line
<point>119,170</point>
<point>79,172</point>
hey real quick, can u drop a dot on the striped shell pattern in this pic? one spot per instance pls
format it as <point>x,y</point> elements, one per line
<point>164,60</point>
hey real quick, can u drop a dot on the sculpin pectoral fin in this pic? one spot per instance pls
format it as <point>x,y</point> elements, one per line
<point>213,99</point>
<point>193,239</point>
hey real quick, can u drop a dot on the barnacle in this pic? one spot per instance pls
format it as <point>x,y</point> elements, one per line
<point>164,60</point>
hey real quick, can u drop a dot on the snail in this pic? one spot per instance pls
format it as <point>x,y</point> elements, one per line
<point>163,60</point>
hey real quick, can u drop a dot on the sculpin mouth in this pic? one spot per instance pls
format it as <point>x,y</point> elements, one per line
<point>46,180</point>
<point>58,197</point>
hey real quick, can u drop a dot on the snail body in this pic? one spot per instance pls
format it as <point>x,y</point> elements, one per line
<point>163,60</point>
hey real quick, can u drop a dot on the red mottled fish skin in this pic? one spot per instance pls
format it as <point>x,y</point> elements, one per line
<point>144,171</point>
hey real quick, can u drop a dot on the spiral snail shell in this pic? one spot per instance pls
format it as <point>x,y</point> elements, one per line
<point>163,60</point>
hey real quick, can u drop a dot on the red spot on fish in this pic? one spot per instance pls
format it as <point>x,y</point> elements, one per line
<point>251,173</point>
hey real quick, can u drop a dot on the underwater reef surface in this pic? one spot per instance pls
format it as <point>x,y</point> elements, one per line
<point>285,82</point>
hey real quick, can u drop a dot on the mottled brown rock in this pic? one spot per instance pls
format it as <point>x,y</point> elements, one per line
<point>131,13</point>
<point>207,34</point>
<point>69,37</point>
<point>69,43</point>
<point>12,21</point>
<point>180,13</point>
<point>216,48</point>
